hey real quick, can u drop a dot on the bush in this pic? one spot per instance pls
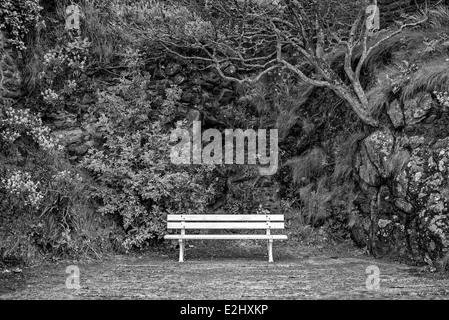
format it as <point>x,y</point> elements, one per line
<point>45,208</point>
<point>17,19</point>
<point>64,72</point>
<point>136,180</point>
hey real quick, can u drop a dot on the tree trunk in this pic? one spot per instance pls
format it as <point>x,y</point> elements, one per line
<point>360,109</point>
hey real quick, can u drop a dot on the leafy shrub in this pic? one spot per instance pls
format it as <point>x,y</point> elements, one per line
<point>16,122</point>
<point>136,179</point>
<point>44,203</point>
<point>160,17</point>
<point>24,188</point>
<point>18,18</point>
<point>442,98</point>
<point>308,166</point>
<point>63,73</point>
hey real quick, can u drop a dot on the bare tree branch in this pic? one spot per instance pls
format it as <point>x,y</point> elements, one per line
<point>260,40</point>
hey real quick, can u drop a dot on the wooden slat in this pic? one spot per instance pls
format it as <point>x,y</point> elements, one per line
<point>225,236</point>
<point>225,217</point>
<point>225,225</point>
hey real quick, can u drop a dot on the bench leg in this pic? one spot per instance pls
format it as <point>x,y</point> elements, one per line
<point>270,250</point>
<point>181,250</point>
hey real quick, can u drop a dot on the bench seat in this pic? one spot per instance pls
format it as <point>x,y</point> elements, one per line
<point>185,222</point>
<point>226,237</point>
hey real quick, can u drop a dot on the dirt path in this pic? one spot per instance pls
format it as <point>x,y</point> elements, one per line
<point>229,271</point>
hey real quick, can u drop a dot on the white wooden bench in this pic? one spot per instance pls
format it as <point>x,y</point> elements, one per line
<point>225,221</point>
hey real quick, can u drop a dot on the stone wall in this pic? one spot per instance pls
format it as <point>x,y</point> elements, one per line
<point>201,92</point>
<point>403,175</point>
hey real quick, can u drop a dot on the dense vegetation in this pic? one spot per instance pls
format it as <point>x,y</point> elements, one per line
<point>85,147</point>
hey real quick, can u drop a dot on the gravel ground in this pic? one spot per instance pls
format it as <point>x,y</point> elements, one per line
<point>228,270</point>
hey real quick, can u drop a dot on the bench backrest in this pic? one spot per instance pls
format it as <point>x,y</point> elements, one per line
<point>225,221</point>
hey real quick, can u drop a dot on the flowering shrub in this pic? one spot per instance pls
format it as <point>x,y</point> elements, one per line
<point>23,187</point>
<point>44,203</point>
<point>439,226</point>
<point>18,17</point>
<point>50,96</point>
<point>199,28</point>
<point>136,179</point>
<point>64,71</point>
<point>442,98</point>
<point>173,95</point>
<point>262,210</point>
<point>18,122</point>
<point>46,210</point>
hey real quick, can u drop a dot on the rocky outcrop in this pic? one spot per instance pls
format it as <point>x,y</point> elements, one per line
<point>10,76</point>
<point>403,174</point>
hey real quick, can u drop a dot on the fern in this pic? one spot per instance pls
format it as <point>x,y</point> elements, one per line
<point>316,199</point>
<point>431,77</point>
<point>343,168</point>
<point>307,166</point>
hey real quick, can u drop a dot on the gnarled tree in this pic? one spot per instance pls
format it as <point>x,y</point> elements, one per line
<point>245,40</point>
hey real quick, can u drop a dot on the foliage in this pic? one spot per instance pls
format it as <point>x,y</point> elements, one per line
<point>271,38</point>
<point>16,122</point>
<point>107,37</point>
<point>18,18</point>
<point>131,184</point>
<point>136,179</point>
<point>114,26</point>
<point>64,72</point>
<point>438,18</point>
<point>346,147</point>
<point>431,77</point>
<point>44,202</point>
<point>307,166</point>
<point>20,185</point>
<point>419,64</point>
<point>442,98</point>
